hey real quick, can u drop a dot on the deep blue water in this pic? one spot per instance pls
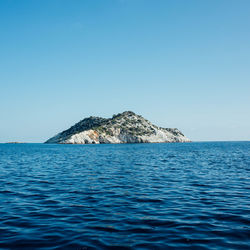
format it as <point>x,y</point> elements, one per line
<point>131,196</point>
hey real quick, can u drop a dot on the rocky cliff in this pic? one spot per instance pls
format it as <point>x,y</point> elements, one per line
<point>126,127</point>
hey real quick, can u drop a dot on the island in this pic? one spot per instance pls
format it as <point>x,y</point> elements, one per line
<point>14,142</point>
<point>126,127</point>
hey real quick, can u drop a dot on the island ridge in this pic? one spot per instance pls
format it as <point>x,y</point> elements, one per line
<point>126,127</point>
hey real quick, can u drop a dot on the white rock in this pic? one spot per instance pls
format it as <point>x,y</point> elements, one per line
<point>122,128</point>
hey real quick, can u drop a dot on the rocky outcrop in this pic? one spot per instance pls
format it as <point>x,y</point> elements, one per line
<point>126,127</point>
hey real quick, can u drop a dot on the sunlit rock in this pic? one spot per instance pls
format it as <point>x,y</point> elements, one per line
<point>126,127</point>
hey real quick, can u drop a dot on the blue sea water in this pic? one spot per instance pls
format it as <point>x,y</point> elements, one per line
<point>129,196</point>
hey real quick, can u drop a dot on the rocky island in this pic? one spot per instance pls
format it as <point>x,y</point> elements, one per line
<point>126,127</point>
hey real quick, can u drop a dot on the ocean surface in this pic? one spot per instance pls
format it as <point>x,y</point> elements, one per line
<point>130,196</point>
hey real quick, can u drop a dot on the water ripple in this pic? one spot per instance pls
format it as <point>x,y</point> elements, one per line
<point>142,196</point>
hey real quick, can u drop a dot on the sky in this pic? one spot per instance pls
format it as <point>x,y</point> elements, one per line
<point>178,63</point>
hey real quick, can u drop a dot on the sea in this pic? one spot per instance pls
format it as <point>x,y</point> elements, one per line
<point>125,196</point>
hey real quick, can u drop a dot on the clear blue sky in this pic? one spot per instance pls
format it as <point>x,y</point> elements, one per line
<point>179,63</point>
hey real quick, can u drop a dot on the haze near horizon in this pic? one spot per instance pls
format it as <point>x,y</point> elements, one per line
<point>182,64</point>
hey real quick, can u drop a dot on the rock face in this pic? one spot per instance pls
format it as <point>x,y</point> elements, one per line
<point>126,127</point>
